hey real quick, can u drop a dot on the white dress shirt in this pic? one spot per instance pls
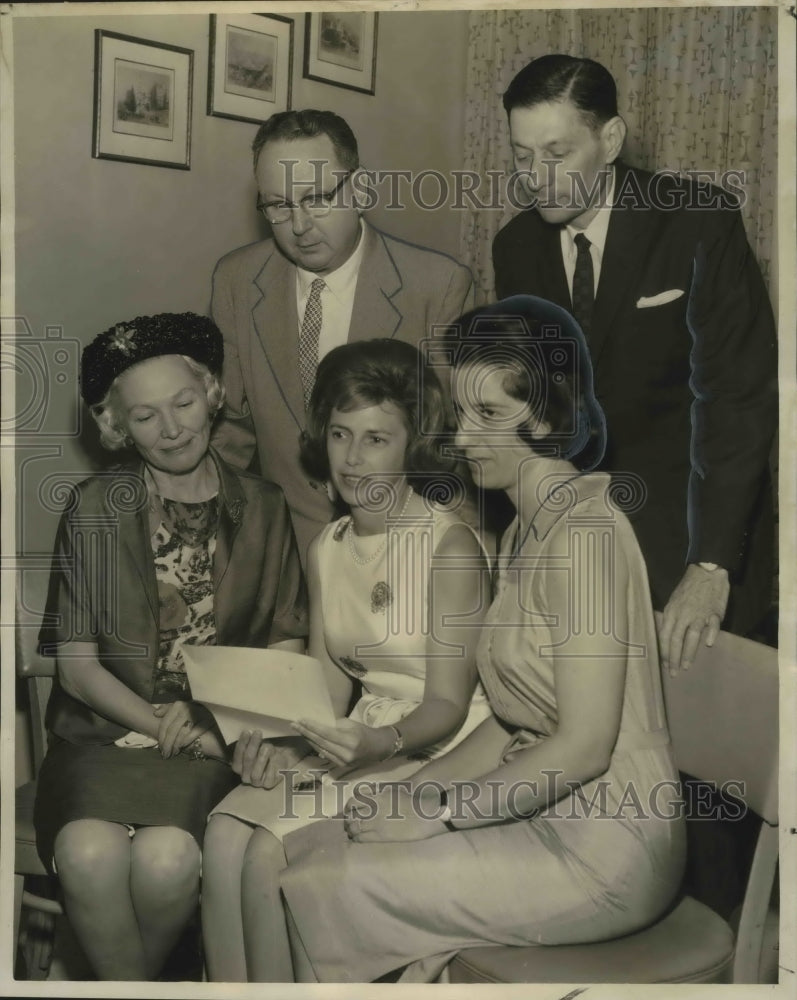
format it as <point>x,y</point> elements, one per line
<point>337,298</point>
<point>596,234</point>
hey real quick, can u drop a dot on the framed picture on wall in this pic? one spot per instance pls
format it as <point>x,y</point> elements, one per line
<point>340,48</point>
<point>142,101</point>
<point>250,66</point>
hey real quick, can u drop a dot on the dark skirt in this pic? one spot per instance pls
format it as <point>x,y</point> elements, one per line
<point>124,785</point>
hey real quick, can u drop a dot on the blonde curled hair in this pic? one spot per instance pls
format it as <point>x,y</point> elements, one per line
<point>113,431</point>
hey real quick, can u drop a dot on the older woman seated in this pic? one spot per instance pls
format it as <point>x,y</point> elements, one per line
<point>178,548</point>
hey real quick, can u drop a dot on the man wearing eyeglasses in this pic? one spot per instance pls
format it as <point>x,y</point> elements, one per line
<point>324,277</point>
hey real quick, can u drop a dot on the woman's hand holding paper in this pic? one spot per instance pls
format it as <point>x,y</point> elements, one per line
<point>347,742</point>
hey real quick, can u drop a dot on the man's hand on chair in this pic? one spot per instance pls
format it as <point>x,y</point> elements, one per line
<point>693,613</point>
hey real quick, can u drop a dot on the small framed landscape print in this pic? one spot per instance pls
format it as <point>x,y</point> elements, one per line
<point>142,101</point>
<point>340,48</point>
<point>250,66</point>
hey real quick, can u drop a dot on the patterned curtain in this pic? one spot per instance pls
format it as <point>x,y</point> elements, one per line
<point>696,86</point>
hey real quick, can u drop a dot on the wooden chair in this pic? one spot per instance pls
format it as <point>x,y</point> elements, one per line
<point>723,719</point>
<point>37,672</point>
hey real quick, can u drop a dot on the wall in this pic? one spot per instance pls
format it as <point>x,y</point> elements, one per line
<point>98,240</point>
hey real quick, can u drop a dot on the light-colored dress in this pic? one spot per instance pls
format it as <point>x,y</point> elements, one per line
<point>602,861</point>
<point>376,609</point>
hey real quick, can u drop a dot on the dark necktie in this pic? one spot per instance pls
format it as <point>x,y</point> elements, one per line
<point>583,284</point>
<point>308,338</point>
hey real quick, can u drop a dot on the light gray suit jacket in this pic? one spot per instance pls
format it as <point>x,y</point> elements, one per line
<point>402,289</point>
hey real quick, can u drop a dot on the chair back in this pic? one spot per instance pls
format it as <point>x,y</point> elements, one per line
<point>723,720</point>
<point>38,671</point>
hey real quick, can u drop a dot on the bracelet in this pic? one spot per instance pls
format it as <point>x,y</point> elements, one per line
<point>195,751</point>
<point>398,744</point>
<point>446,814</point>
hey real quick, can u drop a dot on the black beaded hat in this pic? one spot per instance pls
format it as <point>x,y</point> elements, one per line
<point>125,344</point>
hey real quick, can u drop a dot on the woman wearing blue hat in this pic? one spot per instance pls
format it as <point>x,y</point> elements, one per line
<point>176,548</point>
<point>557,820</point>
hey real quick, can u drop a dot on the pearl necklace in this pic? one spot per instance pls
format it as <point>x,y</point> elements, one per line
<point>364,560</point>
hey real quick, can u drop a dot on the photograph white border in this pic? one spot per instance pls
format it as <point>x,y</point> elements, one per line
<point>786,311</point>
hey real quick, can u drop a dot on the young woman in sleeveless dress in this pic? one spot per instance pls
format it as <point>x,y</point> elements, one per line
<point>558,820</point>
<point>397,590</point>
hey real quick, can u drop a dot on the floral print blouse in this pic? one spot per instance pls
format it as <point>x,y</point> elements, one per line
<point>183,545</point>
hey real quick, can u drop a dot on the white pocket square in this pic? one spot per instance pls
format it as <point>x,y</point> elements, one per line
<point>646,301</point>
<point>137,741</point>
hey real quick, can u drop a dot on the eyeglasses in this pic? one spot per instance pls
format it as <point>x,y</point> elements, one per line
<point>316,204</point>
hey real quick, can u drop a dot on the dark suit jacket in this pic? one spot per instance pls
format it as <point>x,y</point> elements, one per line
<point>688,386</point>
<point>401,291</point>
<point>103,587</point>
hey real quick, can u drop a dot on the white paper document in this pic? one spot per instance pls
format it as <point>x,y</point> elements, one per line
<point>263,689</point>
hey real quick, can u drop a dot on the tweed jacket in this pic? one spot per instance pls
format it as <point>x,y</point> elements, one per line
<point>402,291</point>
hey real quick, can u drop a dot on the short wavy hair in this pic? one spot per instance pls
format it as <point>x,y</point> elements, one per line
<point>307,124</point>
<point>586,84</point>
<point>369,373</point>
<point>113,429</point>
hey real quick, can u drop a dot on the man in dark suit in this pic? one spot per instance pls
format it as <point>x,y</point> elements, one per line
<point>324,278</point>
<point>659,273</point>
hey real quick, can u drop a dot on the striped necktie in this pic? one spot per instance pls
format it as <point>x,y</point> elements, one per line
<point>308,338</point>
<point>583,284</point>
